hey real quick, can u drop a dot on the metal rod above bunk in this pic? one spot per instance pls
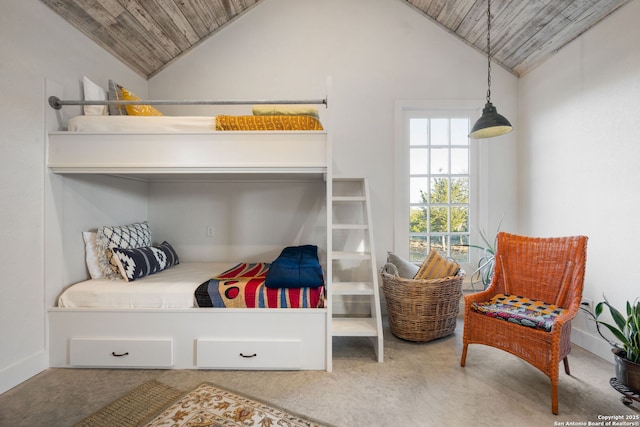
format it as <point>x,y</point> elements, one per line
<point>57,103</point>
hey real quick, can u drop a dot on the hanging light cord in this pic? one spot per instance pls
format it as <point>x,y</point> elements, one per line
<point>488,50</point>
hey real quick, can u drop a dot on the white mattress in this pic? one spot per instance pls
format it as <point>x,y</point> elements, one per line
<point>171,288</point>
<point>142,124</point>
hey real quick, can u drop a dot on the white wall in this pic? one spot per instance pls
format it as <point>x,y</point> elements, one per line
<point>34,44</point>
<point>376,52</point>
<point>251,221</point>
<point>579,153</point>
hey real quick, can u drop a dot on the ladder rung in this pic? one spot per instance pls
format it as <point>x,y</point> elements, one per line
<point>352,288</point>
<point>350,226</point>
<point>350,255</point>
<point>344,199</point>
<point>354,327</point>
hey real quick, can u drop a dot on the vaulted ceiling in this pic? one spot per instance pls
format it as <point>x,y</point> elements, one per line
<point>149,34</point>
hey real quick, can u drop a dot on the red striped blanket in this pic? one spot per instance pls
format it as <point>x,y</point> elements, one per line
<point>243,287</point>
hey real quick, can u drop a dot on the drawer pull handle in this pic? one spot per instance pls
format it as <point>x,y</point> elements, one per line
<point>248,355</point>
<point>114,354</point>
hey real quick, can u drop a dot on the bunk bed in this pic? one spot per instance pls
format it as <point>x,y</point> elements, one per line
<point>184,335</point>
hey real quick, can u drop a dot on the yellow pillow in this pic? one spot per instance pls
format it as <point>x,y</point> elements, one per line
<point>435,266</point>
<point>138,110</point>
<point>267,123</point>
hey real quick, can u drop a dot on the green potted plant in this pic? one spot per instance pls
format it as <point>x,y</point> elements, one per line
<point>626,330</point>
<point>484,272</point>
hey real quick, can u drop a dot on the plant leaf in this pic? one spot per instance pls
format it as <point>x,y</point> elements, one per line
<point>615,331</point>
<point>598,309</point>
<point>617,316</point>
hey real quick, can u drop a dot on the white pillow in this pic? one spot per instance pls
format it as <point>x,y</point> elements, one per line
<point>91,254</point>
<point>93,92</point>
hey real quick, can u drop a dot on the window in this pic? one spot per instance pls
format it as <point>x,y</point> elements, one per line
<point>436,182</point>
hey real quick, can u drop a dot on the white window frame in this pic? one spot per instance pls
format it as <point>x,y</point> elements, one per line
<point>478,211</point>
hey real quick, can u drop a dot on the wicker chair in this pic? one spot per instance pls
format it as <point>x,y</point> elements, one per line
<point>549,270</point>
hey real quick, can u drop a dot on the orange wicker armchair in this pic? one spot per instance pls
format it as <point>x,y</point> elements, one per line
<point>527,309</point>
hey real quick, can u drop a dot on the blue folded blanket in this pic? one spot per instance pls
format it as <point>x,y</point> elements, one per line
<point>296,267</point>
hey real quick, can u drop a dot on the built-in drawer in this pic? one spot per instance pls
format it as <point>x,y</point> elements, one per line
<point>249,354</point>
<point>125,353</point>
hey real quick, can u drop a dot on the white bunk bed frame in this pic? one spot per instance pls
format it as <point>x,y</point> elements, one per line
<point>194,338</point>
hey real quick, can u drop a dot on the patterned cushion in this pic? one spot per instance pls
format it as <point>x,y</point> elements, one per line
<point>520,310</point>
<point>130,236</point>
<point>285,110</point>
<point>138,110</point>
<point>435,266</point>
<point>267,123</point>
<point>120,93</point>
<point>140,262</point>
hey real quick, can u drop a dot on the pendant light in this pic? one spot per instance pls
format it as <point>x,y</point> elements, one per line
<point>491,123</point>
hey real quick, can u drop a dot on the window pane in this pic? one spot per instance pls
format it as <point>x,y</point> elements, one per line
<point>419,161</point>
<point>438,219</point>
<point>418,248</point>
<point>459,219</point>
<point>439,161</point>
<point>440,244</point>
<point>460,248</point>
<point>439,131</point>
<point>460,131</point>
<point>419,190</point>
<point>418,131</point>
<point>460,160</point>
<point>439,190</point>
<point>418,220</point>
<point>460,190</point>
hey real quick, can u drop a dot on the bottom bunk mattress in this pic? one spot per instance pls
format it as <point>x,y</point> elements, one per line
<point>244,286</point>
<point>170,288</point>
<point>193,284</point>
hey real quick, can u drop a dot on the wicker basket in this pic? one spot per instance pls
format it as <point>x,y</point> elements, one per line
<point>421,310</point>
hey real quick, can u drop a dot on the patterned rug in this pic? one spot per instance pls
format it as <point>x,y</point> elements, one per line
<point>211,406</point>
<point>154,404</point>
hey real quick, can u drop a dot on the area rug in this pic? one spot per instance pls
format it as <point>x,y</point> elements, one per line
<point>211,406</point>
<point>154,404</point>
<point>135,407</point>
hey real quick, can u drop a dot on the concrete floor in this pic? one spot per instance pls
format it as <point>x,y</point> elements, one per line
<point>417,385</point>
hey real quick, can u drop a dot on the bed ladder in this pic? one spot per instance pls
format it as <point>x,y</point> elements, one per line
<point>355,293</point>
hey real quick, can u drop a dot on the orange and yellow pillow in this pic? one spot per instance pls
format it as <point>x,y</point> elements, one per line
<point>267,123</point>
<point>435,266</point>
<point>120,93</point>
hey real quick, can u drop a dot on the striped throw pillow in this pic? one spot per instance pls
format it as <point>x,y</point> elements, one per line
<point>435,266</point>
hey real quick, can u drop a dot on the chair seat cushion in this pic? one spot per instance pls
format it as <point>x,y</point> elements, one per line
<point>520,310</point>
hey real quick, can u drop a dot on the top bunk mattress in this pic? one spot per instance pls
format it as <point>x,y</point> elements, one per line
<point>141,124</point>
<point>133,124</point>
<point>171,288</point>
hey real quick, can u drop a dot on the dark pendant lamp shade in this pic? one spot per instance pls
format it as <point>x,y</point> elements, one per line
<point>490,124</point>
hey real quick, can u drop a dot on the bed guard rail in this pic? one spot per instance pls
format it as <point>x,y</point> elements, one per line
<point>57,103</point>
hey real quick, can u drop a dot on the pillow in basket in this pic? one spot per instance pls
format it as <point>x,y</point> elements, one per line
<point>406,269</point>
<point>435,266</point>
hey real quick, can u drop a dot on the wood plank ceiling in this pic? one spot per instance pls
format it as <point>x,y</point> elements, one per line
<point>149,34</point>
